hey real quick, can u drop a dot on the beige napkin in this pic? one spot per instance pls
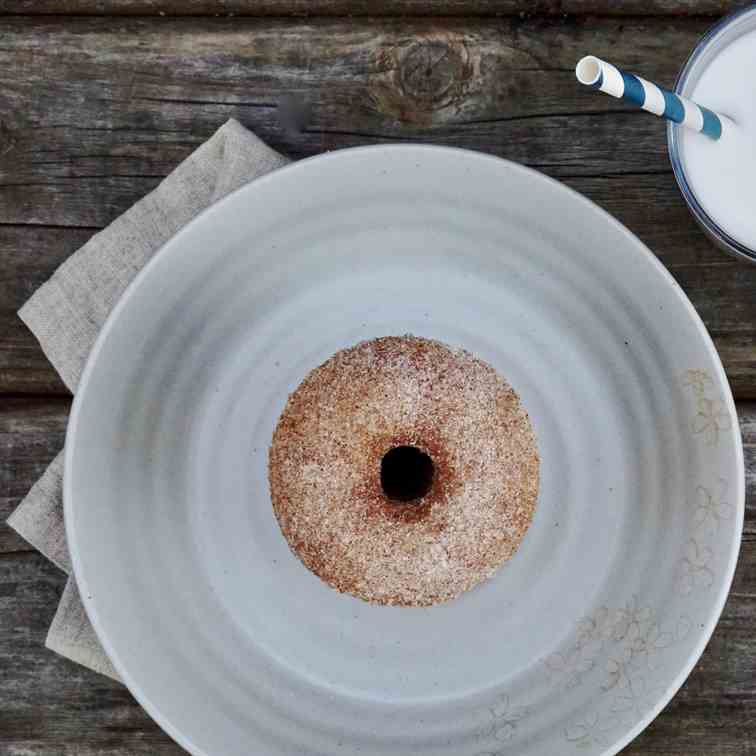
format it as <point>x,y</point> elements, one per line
<point>67,312</point>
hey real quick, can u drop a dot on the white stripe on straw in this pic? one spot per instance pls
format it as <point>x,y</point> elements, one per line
<point>598,74</point>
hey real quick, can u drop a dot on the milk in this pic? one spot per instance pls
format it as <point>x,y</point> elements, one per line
<point>722,174</point>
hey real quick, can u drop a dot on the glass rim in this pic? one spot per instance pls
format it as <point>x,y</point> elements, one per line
<point>729,243</point>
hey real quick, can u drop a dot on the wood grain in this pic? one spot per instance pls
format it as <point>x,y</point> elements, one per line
<point>94,112</point>
<point>46,701</point>
<point>371,8</point>
<point>50,706</point>
<point>28,256</point>
<point>32,432</point>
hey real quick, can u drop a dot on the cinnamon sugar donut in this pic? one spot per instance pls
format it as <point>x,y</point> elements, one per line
<point>403,471</point>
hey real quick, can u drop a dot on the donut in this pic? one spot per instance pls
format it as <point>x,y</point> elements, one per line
<point>403,471</point>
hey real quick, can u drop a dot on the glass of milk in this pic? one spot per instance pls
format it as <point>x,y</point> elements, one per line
<point>718,178</point>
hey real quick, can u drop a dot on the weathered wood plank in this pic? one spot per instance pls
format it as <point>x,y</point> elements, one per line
<point>747,418</point>
<point>369,8</point>
<point>99,107</point>
<point>49,706</point>
<point>47,702</point>
<point>93,113</point>
<point>722,290</point>
<point>32,432</point>
<point>96,111</point>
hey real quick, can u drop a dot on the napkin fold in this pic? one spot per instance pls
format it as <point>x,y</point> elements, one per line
<point>67,312</point>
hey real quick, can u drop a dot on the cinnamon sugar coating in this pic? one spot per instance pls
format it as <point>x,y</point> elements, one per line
<point>325,461</point>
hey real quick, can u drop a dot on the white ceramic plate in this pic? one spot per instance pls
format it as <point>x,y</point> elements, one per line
<point>229,642</point>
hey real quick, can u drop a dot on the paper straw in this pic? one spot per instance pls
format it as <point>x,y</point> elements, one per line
<point>598,74</point>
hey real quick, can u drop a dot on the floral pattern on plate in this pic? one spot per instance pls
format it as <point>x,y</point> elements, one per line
<point>712,416</point>
<point>628,643</point>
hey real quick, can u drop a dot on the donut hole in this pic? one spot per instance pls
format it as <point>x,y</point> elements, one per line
<point>406,474</point>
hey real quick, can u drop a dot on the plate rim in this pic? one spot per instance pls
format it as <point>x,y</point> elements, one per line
<point>253,185</point>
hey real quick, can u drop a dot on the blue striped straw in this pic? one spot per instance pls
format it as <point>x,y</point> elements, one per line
<point>598,74</point>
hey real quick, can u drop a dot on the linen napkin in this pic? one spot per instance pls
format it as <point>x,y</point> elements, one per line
<point>67,312</point>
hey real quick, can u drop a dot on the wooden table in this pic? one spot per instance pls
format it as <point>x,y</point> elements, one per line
<point>101,100</point>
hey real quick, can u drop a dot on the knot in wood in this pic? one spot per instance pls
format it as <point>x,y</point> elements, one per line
<point>432,71</point>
